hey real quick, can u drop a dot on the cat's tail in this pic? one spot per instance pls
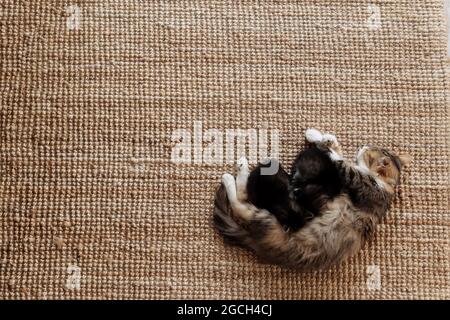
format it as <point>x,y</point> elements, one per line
<point>231,231</point>
<point>262,234</point>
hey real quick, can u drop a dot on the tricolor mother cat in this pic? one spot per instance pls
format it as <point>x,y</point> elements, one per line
<point>315,217</point>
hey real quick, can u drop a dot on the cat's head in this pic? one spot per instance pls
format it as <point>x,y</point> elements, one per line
<point>382,164</point>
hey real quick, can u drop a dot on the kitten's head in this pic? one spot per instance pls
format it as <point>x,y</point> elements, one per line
<point>383,164</point>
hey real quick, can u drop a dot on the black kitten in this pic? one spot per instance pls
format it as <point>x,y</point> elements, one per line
<point>297,198</point>
<point>271,192</point>
<point>315,180</point>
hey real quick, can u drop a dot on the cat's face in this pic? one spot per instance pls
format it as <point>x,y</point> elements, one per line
<point>383,164</point>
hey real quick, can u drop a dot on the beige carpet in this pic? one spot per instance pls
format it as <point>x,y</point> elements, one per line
<point>91,205</point>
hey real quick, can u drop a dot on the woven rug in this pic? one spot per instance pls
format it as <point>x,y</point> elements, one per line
<point>96,97</point>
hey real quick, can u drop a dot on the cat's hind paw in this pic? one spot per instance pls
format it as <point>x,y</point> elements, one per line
<point>242,178</point>
<point>228,180</point>
<point>242,165</point>
<point>313,135</point>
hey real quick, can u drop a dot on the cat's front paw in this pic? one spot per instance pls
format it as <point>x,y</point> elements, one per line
<point>329,140</point>
<point>326,140</point>
<point>313,135</point>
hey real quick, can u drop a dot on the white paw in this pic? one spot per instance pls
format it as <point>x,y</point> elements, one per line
<point>313,136</point>
<point>361,151</point>
<point>329,139</point>
<point>335,156</point>
<point>242,164</point>
<point>228,180</point>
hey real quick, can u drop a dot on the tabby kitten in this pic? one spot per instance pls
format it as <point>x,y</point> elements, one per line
<point>338,220</point>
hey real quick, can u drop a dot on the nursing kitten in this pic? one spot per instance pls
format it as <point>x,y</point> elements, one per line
<point>295,199</point>
<point>333,217</point>
<point>272,192</point>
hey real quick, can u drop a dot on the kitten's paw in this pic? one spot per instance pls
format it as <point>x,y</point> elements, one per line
<point>228,180</point>
<point>242,165</point>
<point>313,136</point>
<point>329,140</point>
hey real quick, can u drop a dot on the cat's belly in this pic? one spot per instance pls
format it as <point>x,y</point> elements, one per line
<point>334,235</point>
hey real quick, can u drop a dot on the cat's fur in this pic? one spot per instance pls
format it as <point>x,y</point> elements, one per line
<point>319,216</point>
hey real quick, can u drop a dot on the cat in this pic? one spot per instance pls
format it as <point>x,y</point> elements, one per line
<point>332,218</point>
<point>296,199</point>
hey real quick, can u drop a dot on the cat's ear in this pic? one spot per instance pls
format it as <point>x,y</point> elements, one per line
<point>405,159</point>
<point>381,170</point>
